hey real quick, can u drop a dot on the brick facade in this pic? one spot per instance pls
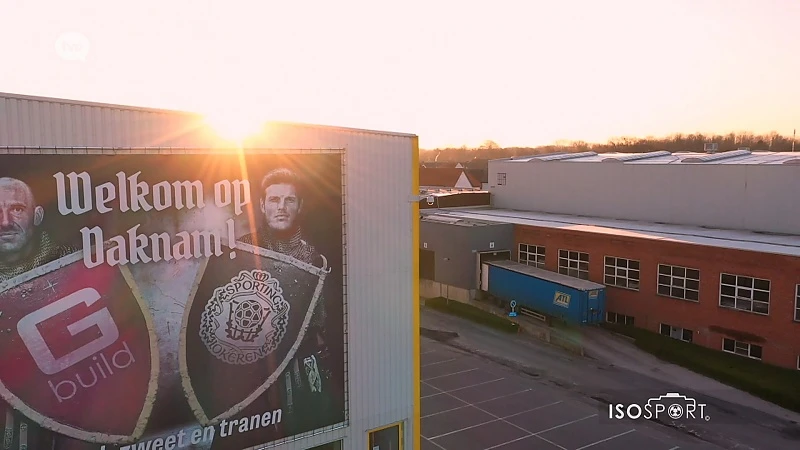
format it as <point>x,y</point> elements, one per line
<point>777,333</point>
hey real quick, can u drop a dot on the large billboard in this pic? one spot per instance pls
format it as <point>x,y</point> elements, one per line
<point>170,301</point>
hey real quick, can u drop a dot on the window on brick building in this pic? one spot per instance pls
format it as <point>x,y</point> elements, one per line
<point>742,348</point>
<point>532,255</point>
<point>744,293</point>
<point>573,263</point>
<point>621,319</point>
<point>681,334</point>
<point>679,282</point>
<point>621,272</point>
<point>797,303</point>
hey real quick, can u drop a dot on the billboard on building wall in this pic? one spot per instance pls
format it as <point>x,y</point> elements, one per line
<point>170,301</point>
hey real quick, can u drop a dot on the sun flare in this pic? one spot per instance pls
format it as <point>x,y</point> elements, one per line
<point>234,126</point>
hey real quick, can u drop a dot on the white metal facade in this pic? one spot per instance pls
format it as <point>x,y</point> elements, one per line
<point>380,310</point>
<point>734,190</point>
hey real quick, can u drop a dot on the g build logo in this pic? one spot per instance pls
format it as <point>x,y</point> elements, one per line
<point>84,352</point>
<point>672,405</point>
<point>246,319</point>
<point>100,366</point>
<point>72,46</point>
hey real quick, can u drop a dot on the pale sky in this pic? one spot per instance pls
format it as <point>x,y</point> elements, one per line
<point>521,73</point>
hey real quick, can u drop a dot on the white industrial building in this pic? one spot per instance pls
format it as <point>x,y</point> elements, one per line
<point>739,189</point>
<point>703,247</point>
<point>381,230</point>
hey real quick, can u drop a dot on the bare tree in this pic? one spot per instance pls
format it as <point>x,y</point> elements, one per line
<point>489,145</point>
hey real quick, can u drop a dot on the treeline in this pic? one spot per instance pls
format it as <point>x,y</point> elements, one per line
<point>773,141</point>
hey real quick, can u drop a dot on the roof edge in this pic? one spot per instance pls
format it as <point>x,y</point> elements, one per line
<point>65,101</point>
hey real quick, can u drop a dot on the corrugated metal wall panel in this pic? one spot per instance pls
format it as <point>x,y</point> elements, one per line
<point>378,268</point>
<point>755,197</point>
<point>379,257</point>
<point>35,122</point>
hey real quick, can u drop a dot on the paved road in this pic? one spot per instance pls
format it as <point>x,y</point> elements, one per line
<point>470,403</point>
<point>731,425</point>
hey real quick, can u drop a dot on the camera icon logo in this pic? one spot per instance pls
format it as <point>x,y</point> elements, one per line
<point>677,406</point>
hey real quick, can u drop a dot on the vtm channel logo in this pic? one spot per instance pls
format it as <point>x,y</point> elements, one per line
<point>672,405</point>
<point>72,46</point>
<point>88,363</point>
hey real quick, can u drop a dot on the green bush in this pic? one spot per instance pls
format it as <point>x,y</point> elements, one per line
<point>774,384</point>
<point>472,313</point>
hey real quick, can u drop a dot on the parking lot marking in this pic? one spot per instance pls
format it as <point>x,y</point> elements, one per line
<point>503,419</point>
<point>467,404</point>
<point>608,439</point>
<point>563,425</point>
<point>450,374</point>
<point>549,442</point>
<point>522,438</point>
<point>532,437</point>
<point>458,389</point>
<point>434,443</point>
<point>495,420</point>
<point>437,362</point>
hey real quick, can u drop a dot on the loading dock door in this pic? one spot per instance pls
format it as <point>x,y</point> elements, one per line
<point>482,269</point>
<point>427,264</point>
<point>485,277</point>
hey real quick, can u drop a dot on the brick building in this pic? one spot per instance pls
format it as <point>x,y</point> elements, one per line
<point>726,288</point>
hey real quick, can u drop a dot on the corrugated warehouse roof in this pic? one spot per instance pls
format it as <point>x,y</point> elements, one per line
<point>663,157</point>
<point>738,240</point>
<point>450,220</point>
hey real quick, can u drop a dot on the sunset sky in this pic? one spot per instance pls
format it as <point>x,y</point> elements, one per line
<point>521,73</point>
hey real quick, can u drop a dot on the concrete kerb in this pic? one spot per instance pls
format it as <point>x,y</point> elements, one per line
<point>438,335</point>
<point>530,328</point>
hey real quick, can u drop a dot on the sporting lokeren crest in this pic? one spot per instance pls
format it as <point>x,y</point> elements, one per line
<point>79,351</point>
<point>244,322</point>
<point>246,319</point>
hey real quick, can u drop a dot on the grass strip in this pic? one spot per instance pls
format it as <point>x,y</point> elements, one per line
<point>774,384</point>
<point>472,313</point>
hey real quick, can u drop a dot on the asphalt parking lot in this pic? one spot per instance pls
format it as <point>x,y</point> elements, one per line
<point>469,403</point>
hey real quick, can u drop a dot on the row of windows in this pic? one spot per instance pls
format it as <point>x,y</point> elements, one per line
<point>728,345</point>
<point>682,334</point>
<point>738,292</point>
<point>621,319</point>
<point>742,348</point>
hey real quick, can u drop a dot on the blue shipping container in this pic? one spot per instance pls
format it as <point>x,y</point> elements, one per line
<point>571,299</point>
